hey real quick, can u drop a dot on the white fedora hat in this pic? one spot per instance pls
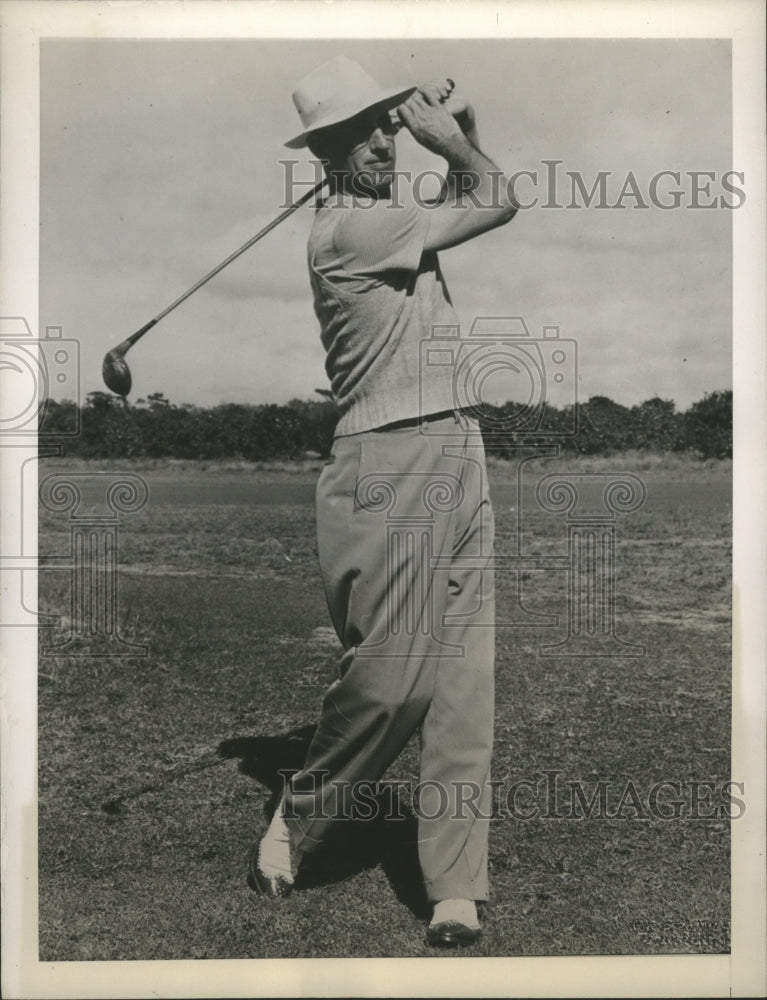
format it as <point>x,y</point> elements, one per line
<point>336,91</point>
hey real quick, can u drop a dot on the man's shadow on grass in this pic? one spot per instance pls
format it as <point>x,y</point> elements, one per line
<point>390,839</point>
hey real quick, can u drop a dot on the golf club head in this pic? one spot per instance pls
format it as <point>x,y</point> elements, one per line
<point>115,370</point>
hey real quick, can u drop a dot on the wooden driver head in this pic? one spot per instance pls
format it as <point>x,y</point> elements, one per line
<point>115,370</point>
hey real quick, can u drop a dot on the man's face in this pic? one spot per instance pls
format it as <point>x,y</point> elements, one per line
<point>364,150</point>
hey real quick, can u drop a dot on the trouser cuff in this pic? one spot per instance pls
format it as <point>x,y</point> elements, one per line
<point>451,888</point>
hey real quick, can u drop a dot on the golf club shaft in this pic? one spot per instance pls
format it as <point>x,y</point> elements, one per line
<point>246,246</point>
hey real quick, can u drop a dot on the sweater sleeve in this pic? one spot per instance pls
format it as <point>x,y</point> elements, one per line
<point>381,236</point>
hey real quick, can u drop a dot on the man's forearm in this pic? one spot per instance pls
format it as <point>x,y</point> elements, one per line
<point>468,126</point>
<point>469,170</point>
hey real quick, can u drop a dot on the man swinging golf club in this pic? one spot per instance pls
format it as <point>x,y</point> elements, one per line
<point>413,607</point>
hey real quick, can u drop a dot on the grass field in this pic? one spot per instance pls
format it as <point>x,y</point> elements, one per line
<point>156,772</point>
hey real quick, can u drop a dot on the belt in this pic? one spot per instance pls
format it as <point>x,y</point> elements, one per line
<point>427,418</point>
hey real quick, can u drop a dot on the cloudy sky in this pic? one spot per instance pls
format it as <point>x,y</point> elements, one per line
<point>160,157</point>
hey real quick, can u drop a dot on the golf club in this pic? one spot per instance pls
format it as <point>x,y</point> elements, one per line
<point>115,370</point>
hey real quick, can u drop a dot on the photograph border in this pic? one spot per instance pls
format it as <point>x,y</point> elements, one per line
<point>740,973</point>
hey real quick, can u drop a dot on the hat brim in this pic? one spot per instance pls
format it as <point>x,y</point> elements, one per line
<point>388,100</point>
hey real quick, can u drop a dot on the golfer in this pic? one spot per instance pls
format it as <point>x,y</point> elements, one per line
<point>404,521</point>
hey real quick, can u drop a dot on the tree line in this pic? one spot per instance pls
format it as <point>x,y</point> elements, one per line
<point>107,426</point>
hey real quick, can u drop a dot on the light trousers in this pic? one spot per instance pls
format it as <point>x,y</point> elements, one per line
<point>405,539</point>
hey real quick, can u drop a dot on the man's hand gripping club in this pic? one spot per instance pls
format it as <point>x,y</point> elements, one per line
<point>477,196</point>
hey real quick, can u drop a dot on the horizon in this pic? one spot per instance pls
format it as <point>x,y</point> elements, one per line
<point>320,397</point>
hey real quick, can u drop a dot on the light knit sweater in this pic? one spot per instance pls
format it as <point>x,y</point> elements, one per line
<point>383,306</point>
